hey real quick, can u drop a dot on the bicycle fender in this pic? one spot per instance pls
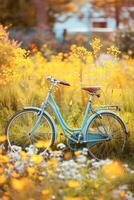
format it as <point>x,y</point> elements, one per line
<point>48,115</point>
<point>89,121</point>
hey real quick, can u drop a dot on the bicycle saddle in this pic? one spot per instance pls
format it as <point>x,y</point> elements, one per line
<point>91,89</point>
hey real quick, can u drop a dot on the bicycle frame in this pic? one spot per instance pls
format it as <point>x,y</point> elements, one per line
<point>67,131</point>
<point>49,101</point>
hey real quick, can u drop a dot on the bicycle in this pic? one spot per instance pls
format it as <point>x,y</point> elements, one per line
<point>103,133</point>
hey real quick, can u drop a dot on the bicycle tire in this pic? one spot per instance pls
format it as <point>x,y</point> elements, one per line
<point>16,140</point>
<point>111,148</point>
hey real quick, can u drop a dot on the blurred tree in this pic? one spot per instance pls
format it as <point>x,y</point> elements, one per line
<point>44,12</point>
<point>41,13</point>
<point>125,41</point>
<point>114,8</point>
<point>17,13</point>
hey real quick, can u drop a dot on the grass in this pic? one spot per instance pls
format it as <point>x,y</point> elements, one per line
<point>22,83</point>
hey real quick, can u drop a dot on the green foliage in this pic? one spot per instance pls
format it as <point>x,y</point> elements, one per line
<point>125,41</point>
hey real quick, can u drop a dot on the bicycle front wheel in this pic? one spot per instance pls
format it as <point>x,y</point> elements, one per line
<point>19,128</point>
<point>110,124</point>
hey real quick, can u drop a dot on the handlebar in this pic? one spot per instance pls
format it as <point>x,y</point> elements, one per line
<point>54,81</point>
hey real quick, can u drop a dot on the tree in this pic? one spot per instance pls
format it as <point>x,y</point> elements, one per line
<point>40,13</point>
<point>47,10</point>
<point>17,13</point>
<point>113,8</point>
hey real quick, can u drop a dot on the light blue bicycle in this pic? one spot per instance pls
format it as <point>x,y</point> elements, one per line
<point>103,132</point>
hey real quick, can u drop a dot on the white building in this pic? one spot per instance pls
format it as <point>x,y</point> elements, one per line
<point>85,22</point>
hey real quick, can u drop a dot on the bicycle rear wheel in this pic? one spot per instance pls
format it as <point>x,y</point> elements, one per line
<point>19,128</point>
<point>107,123</point>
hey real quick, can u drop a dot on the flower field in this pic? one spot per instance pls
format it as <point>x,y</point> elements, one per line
<point>60,174</point>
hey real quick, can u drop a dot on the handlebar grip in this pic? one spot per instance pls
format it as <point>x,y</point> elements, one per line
<point>50,78</point>
<point>64,83</point>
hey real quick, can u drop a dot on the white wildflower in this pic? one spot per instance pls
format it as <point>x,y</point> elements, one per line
<point>61,146</point>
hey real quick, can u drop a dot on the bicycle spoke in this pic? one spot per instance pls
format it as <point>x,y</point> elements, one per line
<point>22,124</point>
<point>107,124</point>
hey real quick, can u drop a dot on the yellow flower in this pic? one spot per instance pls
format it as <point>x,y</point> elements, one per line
<point>37,158</point>
<point>73,47</point>
<point>31,171</point>
<point>4,159</point>
<point>1,170</point>
<point>19,184</point>
<point>73,198</point>
<point>52,163</point>
<point>2,138</point>
<point>23,155</point>
<point>10,166</point>
<point>50,171</point>
<point>122,194</point>
<point>73,184</point>
<point>113,50</point>
<point>2,179</point>
<point>77,153</point>
<point>126,57</point>
<point>41,178</point>
<point>45,192</point>
<point>15,174</point>
<point>70,103</point>
<point>41,144</point>
<point>113,169</point>
<point>96,45</point>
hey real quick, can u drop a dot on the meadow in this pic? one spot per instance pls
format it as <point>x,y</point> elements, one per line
<point>22,83</point>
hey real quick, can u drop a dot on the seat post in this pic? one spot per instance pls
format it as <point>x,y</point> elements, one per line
<point>91,98</point>
<point>88,108</point>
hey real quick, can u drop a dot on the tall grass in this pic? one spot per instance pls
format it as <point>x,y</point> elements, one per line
<point>22,79</point>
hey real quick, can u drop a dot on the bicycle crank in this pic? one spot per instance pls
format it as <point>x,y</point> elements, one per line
<point>74,146</point>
